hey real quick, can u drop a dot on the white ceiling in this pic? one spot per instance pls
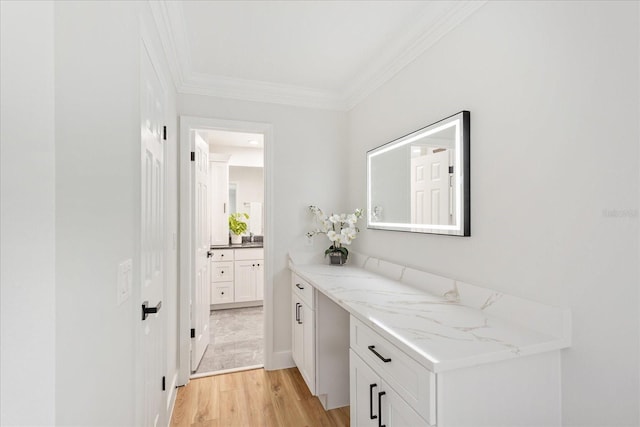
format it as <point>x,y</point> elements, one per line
<point>326,54</point>
<point>222,138</point>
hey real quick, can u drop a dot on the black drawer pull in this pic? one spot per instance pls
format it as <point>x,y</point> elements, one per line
<point>372,348</point>
<point>299,287</point>
<point>371,387</point>
<point>382,393</point>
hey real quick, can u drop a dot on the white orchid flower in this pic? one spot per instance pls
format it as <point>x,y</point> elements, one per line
<point>334,218</point>
<point>333,236</point>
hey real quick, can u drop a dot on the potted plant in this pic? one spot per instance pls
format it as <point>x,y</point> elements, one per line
<point>340,230</point>
<point>237,226</point>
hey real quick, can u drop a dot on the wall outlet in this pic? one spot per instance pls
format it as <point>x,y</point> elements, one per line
<point>125,280</point>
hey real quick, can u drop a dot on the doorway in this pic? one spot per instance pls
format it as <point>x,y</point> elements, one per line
<point>236,316</point>
<point>240,275</point>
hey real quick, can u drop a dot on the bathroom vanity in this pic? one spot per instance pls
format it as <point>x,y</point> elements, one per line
<point>237,275</point>
<point>416,349</point>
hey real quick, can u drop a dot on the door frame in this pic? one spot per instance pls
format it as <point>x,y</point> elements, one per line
<point>187,124</point>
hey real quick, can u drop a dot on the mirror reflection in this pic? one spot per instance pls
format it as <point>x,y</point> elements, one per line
<point>420,182</point>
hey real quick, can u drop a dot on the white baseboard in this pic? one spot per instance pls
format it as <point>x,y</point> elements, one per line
<point>171,399</point>
<point>280,360</point>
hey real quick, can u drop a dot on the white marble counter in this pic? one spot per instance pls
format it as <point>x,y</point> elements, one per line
<point>441,323</point>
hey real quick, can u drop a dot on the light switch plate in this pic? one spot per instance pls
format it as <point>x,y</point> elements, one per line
<point>125,279</point>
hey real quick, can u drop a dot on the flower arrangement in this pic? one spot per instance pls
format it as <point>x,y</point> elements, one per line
<point>341,229</point>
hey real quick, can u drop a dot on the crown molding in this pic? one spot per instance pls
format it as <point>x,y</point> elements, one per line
<point>438,19</point>
<point>258,91</point>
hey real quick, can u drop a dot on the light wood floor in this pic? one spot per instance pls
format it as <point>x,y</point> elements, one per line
<point>253,398</point>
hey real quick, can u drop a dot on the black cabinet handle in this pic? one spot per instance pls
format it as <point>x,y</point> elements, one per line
<point>371,387</point>
<point>253,265</point>
<point>372,348</point>
<point>146,310</point>
<point>221,271</point>
<point>382,393</point>
<point>222,293</point>
<point>221,255</point>
<point>298,312</point>
<point>299,287</point>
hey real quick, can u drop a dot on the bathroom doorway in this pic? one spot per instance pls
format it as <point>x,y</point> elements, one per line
<point>236,319</point>
<point>238,299</point>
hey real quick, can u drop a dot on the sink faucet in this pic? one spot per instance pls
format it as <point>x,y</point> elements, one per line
<point>251,237</point>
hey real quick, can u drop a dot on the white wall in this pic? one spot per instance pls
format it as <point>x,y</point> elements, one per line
<point>27,294</point>
<point>309,168</point>
<point>97,120</point>
<point>553,92</point>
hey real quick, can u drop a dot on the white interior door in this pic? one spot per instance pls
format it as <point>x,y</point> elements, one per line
<point>152,240</point>
<point>430,189</point>
<point>201,297</point>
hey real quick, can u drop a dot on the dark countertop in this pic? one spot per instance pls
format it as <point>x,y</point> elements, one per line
<point>242,246</point>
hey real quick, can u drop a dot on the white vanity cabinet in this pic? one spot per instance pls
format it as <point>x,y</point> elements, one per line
<point>374,402</point>
<point>303,331</point>
<point>237,276</point>
<point>320,343</point>
<point>386,384</point>
<point>425,350</point>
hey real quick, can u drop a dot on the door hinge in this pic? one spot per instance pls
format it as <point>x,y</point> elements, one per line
<point>450,169</point>
<point>193,156</point>
<point>193,332</point>
<point>164,383</point>
<point>164,133</point>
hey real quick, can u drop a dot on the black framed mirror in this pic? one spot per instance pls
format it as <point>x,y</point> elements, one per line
<point>421,182</point>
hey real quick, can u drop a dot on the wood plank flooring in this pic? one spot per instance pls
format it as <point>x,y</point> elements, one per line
<point>253,398</point>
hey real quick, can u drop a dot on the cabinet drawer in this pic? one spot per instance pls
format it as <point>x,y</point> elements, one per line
<point>247,254</point>
<point>221,271</point>
<point>303,289</point>
<point>221,292</point>
<point>222,254</point>
<point>412,381</point>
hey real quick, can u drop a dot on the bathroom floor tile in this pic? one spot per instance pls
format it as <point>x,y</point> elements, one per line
<point>236,339</point>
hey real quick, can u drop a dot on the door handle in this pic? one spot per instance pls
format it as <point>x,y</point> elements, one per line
<point>299,287</point>
<point>371,387</point>
<point>382,393</point>
<point>146,310</point>
<point>381,357</point>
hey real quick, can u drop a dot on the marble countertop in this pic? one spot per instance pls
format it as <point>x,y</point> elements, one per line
<point>242,246</point>
<point>439,332</point>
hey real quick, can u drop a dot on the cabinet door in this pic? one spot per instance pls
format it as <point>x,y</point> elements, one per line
<point>245,281</point>
<point>396,412</point>
<point>364,386</point>
<point>259,272</point>
<point>297,338</point>
<point>307,317</point>
<point>220,203</point>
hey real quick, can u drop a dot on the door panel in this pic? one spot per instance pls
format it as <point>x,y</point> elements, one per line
<point>152,239</point>
<point>201,236</point>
